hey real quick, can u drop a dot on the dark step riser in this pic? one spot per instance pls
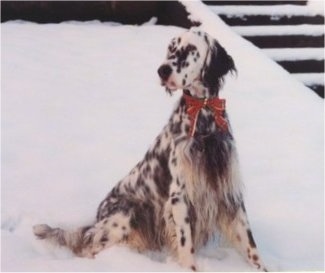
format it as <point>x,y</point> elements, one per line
<point>297,41</point>
<point>318,89</point>
<point>255,3</point>
<point>267,20</point>
<point>307,66</point>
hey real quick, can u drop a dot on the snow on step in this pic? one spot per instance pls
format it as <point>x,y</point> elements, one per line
<point>273,10</point>
<point>310,78</point>
<point>294,54</point>
<point>309,30</point>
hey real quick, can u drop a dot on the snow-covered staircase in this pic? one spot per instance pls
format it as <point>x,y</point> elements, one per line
<point>290,32</point>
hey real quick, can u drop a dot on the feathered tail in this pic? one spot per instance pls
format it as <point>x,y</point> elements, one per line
<point>79,241</point>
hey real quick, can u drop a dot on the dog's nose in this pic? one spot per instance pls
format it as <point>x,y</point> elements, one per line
<point>164,71</point>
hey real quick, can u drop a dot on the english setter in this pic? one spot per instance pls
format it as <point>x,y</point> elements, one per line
<point>187,187</point>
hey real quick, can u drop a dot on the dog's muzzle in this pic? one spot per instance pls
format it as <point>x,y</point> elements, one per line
<point>164,72</point>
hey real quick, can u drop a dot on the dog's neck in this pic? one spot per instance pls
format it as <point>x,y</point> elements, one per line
<point>198,90</point>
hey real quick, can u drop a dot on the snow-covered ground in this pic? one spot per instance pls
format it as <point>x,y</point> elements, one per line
<point>81,103</point>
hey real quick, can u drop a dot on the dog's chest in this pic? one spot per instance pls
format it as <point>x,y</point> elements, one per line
<point>202,198</point>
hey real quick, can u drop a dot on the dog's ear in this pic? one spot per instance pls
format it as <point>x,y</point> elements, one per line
<point>218,64</point>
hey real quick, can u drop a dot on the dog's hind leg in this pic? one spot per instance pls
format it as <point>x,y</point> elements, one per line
<point>240,236</point>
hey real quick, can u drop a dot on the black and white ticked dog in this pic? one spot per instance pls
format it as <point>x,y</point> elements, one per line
<point>187,187</point>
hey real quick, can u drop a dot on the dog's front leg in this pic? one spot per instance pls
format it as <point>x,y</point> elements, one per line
<point>179,211</point>
<point>240,234</point>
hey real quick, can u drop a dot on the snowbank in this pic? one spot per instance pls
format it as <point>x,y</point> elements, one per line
<point>82,103</point>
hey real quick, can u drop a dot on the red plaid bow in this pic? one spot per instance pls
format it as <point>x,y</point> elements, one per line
<point>216,105</point>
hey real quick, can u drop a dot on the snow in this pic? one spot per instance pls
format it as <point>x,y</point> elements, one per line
<point>310,78</point>
<point>312,9</point>
<point>292,54</point>
<point>304,29</point>
<point>316,6</point>
<point>81,103</point>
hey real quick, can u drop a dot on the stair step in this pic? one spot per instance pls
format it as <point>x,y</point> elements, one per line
<point>274,10</point>
<point>294,54</point>
<point>254,2</point>
<point>268,15</point>
<point>299,41</point>
<point>270,20</point>
<point>283,36</point>
<point>303,66</point>
<point>304,29</point>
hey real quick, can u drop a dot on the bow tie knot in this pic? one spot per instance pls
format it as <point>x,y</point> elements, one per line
<point>216,105</point>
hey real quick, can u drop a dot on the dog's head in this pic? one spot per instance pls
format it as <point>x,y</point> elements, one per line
<point>196,62</point>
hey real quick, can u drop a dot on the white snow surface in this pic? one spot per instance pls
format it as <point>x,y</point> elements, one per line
<point>316,6</point>
<point>304,29</point>
<point>292,54</point>
<point>81,103</point>
<point>312,9</point>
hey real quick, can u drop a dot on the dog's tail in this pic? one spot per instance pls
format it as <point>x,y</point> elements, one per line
<point>79,241</point>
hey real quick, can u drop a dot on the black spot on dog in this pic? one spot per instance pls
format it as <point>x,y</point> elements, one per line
<point>243,207</point>
<point>175,128</point>
<point>183,240</point>
<point>161,175</point>
<point>147,190</point>
<point>146,171</point>
<point>177,182</point>
<point>250,238</point>
<point>175,200</point>
<point>140,181</point>
<point>174,161</point>
<point>255,257</point>
<point>115,224</point>
<point>187,220</point>
<point>104,239</point>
